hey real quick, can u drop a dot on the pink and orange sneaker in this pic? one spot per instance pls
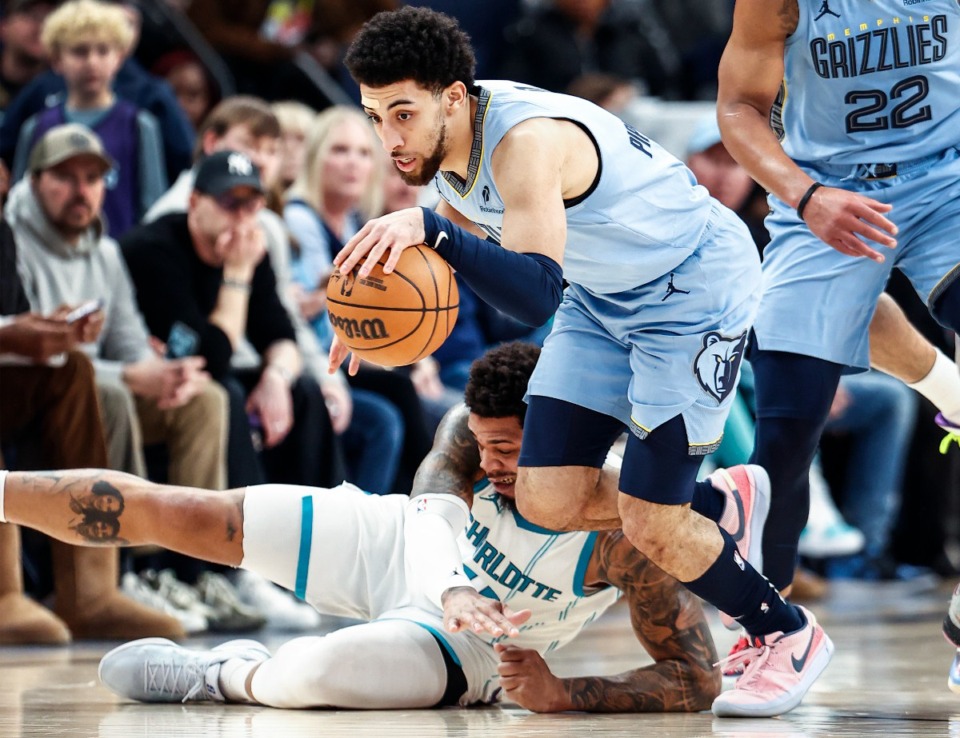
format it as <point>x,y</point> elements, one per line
<point>747,489</point>
<point>734,667</point>
<point>779,670</point>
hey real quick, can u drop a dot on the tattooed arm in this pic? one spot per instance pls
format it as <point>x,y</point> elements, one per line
<point>667,620</point>
<point>453,464</point>
<point>96,507</point>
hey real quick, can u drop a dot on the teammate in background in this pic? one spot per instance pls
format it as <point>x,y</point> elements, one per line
<point>435,638</point>
<point>892,73</point>
<point>663,287</point>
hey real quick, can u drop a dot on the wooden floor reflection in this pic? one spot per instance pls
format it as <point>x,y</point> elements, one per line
<point>888,677</point>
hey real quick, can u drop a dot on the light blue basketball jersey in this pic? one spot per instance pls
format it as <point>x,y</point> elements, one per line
<point>644,215</point>
<point>871,82</point>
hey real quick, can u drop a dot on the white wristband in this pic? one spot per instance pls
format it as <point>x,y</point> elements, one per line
<point>3,482</point>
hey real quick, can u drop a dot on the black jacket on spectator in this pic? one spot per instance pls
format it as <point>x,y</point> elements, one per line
<point>174,285</point>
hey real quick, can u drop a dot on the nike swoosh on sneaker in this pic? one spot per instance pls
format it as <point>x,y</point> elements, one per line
<point>798,664</point>
<point>741,518</point>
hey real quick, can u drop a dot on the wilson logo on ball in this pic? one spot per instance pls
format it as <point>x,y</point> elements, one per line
<point>370,329</point>
<point>398,318</point>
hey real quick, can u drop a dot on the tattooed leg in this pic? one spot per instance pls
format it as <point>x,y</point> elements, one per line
<point>95,507</point>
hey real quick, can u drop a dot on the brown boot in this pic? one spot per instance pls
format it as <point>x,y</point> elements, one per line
<point>22,621</point>
<point>87,598</point>
<point>807,586</point>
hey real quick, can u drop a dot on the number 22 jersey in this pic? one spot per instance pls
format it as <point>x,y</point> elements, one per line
<point>871,82</point>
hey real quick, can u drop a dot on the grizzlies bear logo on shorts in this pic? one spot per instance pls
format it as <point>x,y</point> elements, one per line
<point>718,364</point>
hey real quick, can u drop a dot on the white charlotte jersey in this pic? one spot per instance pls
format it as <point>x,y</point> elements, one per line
<point>871,82</point>
<point>644,214</point>
<point>525,566</point>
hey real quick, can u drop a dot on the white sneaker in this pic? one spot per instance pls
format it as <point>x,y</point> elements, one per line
<point>158,670</point>
<point>177,593</point>
<point>281,608</point>
<point>137,589</point>
<point>836,539</point>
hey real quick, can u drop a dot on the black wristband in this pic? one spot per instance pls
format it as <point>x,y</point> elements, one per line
<point>806,198</point>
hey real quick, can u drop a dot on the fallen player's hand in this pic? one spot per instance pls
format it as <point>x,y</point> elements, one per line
<point>466,609</point>
<point>527,680</point>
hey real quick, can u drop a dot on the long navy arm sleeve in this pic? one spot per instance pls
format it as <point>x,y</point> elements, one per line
<point>527,287</point>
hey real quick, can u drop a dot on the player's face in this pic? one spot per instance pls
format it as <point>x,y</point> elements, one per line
<point>71,194</point>
<point>410,123</point>
<point>498,440</point>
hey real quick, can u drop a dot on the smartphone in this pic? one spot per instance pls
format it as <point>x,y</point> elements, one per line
<point>82,311</point>
<point>182,341</point>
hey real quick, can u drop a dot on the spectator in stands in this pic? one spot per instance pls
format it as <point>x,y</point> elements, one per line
<point>338,188</point>
<point>295,120</point>
<point>484,23</point>
<point>874,415</point>
<point>205,271</point>
<point>65,258</point>
<point>131,83</point>
<point>48,408</point>
<point>260,39</point>
<point>247,124</point>
<point>190,81</point>
<point>613,36</point>
<point>22,56</point>
<point>86,41</point>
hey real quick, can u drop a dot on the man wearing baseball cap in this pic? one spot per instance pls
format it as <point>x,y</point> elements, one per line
<point>203,273</point>
<point>65,257</point>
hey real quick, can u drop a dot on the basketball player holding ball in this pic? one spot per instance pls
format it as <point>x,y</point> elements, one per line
<point>663,285</point>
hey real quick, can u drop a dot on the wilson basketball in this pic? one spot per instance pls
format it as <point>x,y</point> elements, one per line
<point>398,318</point>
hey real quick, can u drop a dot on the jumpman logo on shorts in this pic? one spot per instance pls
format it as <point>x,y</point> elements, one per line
<point>825,10</point>
<point>671,290</point>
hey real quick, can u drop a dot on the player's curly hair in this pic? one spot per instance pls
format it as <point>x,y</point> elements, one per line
<point>498,381</point>
<point>411,43</point>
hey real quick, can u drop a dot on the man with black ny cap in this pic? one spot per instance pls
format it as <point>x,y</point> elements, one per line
<point>203,283</point>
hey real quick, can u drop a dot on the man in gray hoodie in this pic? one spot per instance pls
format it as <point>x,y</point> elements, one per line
<point>65,257</point>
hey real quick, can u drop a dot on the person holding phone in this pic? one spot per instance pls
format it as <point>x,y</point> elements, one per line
<point>48,409</point>
<point>65,257</point>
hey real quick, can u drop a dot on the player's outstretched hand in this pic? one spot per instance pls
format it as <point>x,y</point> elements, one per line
<point>846,220</point>
<point>527,680</point>
<point>338,353</point>
<point>394,232</point>
<point>466,609</point>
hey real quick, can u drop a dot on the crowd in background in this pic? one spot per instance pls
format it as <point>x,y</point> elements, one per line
<point>195,167</point>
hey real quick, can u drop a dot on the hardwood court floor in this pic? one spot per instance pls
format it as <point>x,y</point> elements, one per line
<point>888,676</point>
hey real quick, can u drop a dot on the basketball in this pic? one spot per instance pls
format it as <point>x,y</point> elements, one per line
<point>399,318</point>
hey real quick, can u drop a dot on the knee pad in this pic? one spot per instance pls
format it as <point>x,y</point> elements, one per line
<point>659,468</point>
<point>559,433</point>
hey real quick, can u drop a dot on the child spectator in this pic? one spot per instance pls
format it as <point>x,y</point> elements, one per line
<point>87,41</point>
